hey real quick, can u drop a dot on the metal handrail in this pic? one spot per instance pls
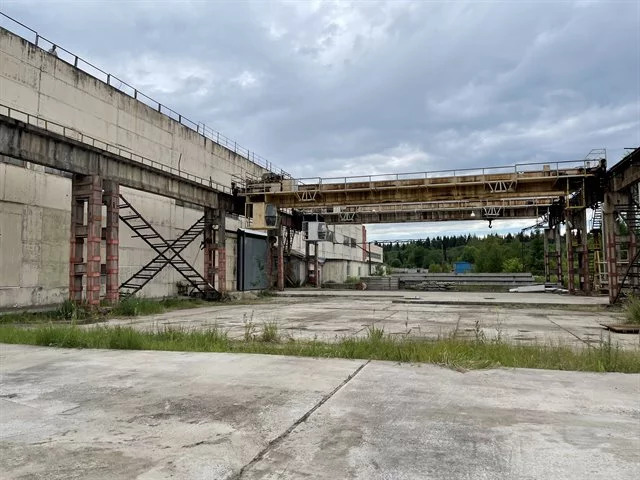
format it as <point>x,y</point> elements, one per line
<point>128,89</point>
<point>517,169</point>
<point>73,134</point>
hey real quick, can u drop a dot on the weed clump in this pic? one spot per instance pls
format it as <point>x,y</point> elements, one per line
<point>632,310</point>
<point>270,332</point>
<point>446,351</point>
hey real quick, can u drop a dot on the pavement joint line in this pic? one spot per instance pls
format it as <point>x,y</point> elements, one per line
<point>568,331</point>
<point>276,441</point>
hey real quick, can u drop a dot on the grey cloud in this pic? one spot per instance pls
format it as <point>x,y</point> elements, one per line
<point>347,86</point>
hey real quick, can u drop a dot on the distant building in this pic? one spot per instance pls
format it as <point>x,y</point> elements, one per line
<point>462,267</point>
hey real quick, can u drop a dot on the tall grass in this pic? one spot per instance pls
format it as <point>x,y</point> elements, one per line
<point>70,312</point>
<point>450,352</point>
<point>632,310</point>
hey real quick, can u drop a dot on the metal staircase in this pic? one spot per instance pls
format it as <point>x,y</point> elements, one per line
<point>599,279</point>
<point>596,220</point>
<point>168,253</point>
<point>629,267</point>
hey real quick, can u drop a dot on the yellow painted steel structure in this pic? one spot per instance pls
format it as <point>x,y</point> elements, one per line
<point>436,211</point>
<point>561,179</point>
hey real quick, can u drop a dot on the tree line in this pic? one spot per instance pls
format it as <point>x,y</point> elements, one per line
<point>523,252</point>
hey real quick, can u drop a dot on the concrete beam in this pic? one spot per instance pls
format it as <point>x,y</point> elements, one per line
<point>36,145</point>
<point>625,173</point>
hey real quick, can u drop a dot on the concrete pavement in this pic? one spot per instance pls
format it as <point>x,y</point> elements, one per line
<point>452,297</point>
<point>333,317</point>
<point>96,414</point>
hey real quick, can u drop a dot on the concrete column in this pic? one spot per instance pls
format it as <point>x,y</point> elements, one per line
<point>221,250</point>
<point>547,270</point>
<point>271,239</point>
<point>111,199</point>
<point>558,255</point>
<point>570,266</point>
<point>610,247</point>
<point>208,246</point>
<point>316,266</point>
<point>280,281</point>
<point>77,267</point>
<point>94,240</point>
<point>585,271</point>
<point>85,190</point>
<point>307,262</point>
<point>632,278</point>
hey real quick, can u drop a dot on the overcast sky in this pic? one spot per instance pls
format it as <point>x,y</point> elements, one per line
<point>341,88</point>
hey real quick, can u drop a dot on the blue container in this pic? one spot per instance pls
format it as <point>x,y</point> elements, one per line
<point>462,267</point>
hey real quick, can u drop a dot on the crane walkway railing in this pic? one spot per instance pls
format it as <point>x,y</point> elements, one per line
<point>501,176</point>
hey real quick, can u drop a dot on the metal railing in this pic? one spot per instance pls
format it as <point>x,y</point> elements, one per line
<point>73,134</point>
<point>546,168</point>
<point>568,168</point>
<point>124,87</point>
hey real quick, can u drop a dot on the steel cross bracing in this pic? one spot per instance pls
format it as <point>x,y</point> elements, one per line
<point>168,254</point>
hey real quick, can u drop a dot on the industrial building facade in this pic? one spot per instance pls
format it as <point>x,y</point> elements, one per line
<point>35,201</point>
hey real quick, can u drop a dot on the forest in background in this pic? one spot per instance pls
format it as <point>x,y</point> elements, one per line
<point>523,252</point>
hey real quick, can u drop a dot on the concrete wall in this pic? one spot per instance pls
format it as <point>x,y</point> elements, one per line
<point>35,215</point>
<point>338,270</point>
<point>35,205</point>
<point>42,84</point>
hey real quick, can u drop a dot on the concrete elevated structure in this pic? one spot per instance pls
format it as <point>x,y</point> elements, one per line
<point>60,121</point>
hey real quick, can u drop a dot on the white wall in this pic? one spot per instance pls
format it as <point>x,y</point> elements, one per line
<point>35,206</point>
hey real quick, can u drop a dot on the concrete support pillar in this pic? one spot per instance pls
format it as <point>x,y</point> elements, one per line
<point>214,243</point>
<point>111,199</point>
<point>271,240</point>
<point>307,262</point>
<point>77,267</point>
<point>547,269</point>
<point>585,272</point>
<point>280,280</point>
<point>632,278</point>
<point>209,246</point>
<point>610,244</point>
<point>558,240</point>
<point>221,251</point>
<point>570,261</point>
<point>316,265</point>
<point>85,263</point>
<point>632,223</point>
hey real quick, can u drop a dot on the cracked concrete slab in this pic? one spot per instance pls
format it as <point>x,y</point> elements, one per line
<point>424,422</point>
<point>96,414</point>
<point>334,317</point>
<point>103,414</point>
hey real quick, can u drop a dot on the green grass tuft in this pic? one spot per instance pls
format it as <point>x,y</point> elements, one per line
<point>70,312</point>
<point>270,332</point>
<point>449,351</point>
<point>632,311</point>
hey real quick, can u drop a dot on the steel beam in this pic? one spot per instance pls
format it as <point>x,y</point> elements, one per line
<point>487,186</point>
